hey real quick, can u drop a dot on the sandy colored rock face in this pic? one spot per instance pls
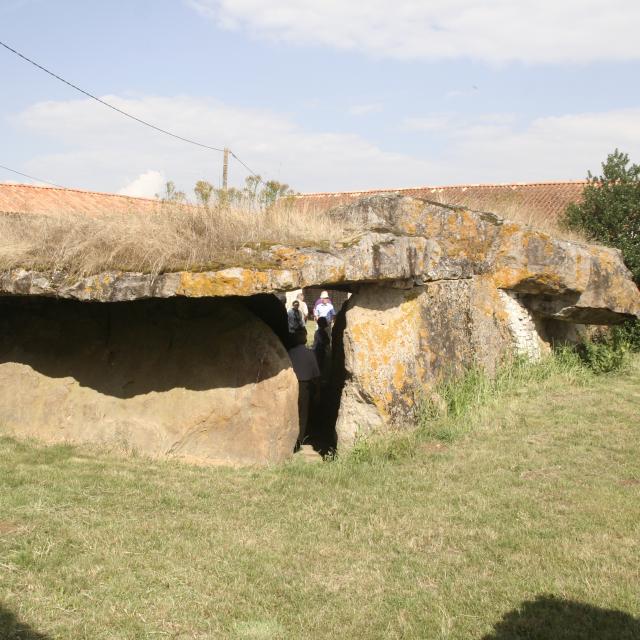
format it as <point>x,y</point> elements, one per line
<point>200,380</point>
<point>398,344</point>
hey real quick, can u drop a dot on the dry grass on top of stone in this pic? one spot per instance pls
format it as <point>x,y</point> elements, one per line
<point>512,210</point>
<point>172,239</point>
<point>179,237</point>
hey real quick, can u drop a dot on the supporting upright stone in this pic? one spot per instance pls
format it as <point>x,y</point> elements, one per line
<point>399,343</point>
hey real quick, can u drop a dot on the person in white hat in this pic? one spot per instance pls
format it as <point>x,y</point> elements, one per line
<point>324,309</point>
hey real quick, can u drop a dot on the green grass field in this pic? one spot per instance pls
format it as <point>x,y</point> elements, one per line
<point>519,519</point>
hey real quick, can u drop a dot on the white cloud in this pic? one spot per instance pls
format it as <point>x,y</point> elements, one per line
<point>364,109</point>
<point>432,122</point>
<point>547,148</point>
<point>537,31</point>
<point>146,185</point>
<point>101,145</point>
<point>103,151</point>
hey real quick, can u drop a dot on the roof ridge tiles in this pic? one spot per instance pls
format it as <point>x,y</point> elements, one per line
<point>75,190</point>
<point>484,185</point>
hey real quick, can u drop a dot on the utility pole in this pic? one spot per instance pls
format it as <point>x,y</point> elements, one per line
<point>225,168</point>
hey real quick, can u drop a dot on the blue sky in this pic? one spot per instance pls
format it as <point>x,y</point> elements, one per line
<point>325,96</point>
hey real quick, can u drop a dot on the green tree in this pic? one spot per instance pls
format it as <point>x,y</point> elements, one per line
<point>230,197</point>
<point>255,193</point>
<point>272,192</point>
<point>203,190</point>
<point>610,210</point>
<point>251,186</point>
<point>610,213</point>
<point>171,194</point>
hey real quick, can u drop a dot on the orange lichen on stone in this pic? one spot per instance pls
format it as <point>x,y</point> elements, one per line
<point>335,275</point>
<point>399,375</point>
<point>381,353</point>
<point>223,283</point>
<point>487,299</point>
<point>288,257</point>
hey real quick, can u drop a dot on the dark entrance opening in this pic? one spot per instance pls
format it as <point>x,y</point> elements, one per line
<point>324,415</point>
<point>272,311</point>
<point>325,404</point>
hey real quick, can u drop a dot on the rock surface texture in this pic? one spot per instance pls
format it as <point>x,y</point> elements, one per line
<point>436,289</point>
<point>207,382</point>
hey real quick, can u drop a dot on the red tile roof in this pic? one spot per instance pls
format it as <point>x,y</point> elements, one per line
<point>25,198</point>
<point>548,199</point>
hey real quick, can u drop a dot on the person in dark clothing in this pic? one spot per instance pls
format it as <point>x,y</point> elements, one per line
<point>307,371</point>
<point>321,342</point>
<point>294,317</point>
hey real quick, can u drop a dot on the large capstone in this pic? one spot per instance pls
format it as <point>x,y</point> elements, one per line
<point>201,380</point>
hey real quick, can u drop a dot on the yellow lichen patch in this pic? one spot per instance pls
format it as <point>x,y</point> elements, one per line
<point>487,299</point>
<point>336,274</point>
<point>97,287</point>
<point>383,353</point>
<point>399,376</point>
<point>509,277</point>
<point>466,237</point>
<point>242,282</point>
<point>289,257</point>
<point>533,281</point>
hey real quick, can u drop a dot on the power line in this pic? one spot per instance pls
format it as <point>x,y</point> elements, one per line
<point>25,175</point>
<point>106,104</point>
<point>124,113</point>
<point>253,173</point>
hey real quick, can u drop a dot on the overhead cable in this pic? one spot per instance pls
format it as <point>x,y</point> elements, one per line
<point>251,171</point>
<point>122,112</point>
<point>25,175</point>
<point>107,104</point>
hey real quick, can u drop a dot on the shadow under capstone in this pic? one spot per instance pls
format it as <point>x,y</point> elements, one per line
<point>125,349</point>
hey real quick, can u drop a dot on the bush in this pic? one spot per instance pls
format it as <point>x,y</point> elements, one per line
<point>606,353</point>
<point>610,210</point>
<point>610,213</point>
<point>629,332</point>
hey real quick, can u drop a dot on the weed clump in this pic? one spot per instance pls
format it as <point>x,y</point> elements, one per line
<point>606,352</point>
<point>459,404</point>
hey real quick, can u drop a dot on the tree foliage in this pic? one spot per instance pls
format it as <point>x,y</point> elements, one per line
<point>610,213</point>
<point>255,193</point>
<point>610,210</point>
<point>272,192</point>
<point>203,190</point>
<point>171,194</point>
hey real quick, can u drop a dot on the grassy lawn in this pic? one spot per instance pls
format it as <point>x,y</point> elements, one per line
<point>524,525</point>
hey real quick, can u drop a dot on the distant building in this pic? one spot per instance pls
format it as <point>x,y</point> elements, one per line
<point>26,198</point>
<point>547,200</point>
